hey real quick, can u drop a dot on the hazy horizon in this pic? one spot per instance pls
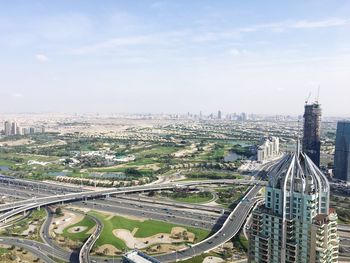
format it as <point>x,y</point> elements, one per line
<point>181,56</point>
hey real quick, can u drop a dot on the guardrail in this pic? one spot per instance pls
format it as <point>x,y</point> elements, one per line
<point>84,254</point>
<point>110,191</point>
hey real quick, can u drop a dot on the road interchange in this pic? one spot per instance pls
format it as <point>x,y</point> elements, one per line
<point>231,226</point>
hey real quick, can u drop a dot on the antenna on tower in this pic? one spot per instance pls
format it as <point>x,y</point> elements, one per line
<point>318,94</point>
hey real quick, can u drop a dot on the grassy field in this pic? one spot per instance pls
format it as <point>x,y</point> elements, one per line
<point>3,250</point>
<point>228,196</point>
<point>145,229</point>
<point>194,199</point>
<point>241,242</point>
<point>157,151</point>
<point>213,174</point>
<point>22,225</point>
<point>4,162</point>
<point>86,222</point>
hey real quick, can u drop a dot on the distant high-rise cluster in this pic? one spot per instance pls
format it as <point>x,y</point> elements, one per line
<point>12,128</point>
<point>269,149</point>
<point>342,152</point>
<point>219,115</point>
<point>295,224</point>
<point>312,132</point>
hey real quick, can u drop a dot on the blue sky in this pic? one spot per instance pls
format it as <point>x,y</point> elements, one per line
<point>174,56</point>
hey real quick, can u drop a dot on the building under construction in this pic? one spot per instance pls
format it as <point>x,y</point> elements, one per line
<point>312,132</point>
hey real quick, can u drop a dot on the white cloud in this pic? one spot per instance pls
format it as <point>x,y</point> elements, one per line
<point>234,52</point>
<point>17,95</point>
<point>238,52</point>
<point>332,22</point>
<point>41,57</point>
<point>272,27</point>
<point>115,42</point>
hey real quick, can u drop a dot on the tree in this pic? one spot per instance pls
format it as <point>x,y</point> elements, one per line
<point>58,211</point>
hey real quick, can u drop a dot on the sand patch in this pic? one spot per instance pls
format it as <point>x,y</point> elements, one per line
<point>164,248</point>
<point>185,152</point>
<point>31,228</point>
<point>77,229</point>
<point>134,231</point>
<point>212,259</point>
<point>180,231</point>
<point>69,218</point>
<point>112,250</point>
<point>178,234</point>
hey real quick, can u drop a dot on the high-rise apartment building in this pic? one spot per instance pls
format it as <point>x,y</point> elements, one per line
<point>312,132</point>
<point>7,128</point>
<point>295,224</point>
<point>342,152</point>
<point>13,128</point>
<point>268,149</point>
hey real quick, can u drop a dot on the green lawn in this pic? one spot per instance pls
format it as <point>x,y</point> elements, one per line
<point>194,199</point>
<point>159,150</point>
<point>4,162</point>
<point>241,242</point>
<point>81,236</point>
<point>3,250</point>
<point>22,225</point>
<point>145,229</point>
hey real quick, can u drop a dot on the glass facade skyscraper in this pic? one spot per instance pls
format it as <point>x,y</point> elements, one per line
<point>342,152</point>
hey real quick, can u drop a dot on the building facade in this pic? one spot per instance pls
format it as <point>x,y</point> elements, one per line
<point>295,224</point>
<point>270,148</point>
<point>7,128</point>
<point>312,132</point>
<point>342,152</point>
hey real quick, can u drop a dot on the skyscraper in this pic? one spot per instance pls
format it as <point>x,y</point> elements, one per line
<point>13,128</point>
<point>311,138</point>
<point>7,128</point>
<point>219,114</point>
<point>295,224</point>
<point>342,152</point>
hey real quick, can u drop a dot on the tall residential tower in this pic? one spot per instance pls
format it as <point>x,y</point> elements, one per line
<point>295,224</point>
<point>312,132</point>
<point>342,152</point>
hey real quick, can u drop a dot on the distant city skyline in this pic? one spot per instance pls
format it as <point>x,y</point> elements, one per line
<point>174,56</point>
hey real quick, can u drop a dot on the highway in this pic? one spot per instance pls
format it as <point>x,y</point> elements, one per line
<point>163,212</point>
<point>84,254</point>
<point>231,226</point>
<point>38,202</point>
<point>56,250</point>
<point>37,249</point>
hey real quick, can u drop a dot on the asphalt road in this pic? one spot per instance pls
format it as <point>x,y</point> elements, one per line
<point>40,250</point>
<point>228,230</point>
<point>187,217</point>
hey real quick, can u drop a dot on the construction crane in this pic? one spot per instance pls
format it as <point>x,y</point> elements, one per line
<point>318,94</point>
<point>307,99</point>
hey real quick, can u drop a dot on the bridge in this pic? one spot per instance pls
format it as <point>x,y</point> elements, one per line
<point>230,228</point>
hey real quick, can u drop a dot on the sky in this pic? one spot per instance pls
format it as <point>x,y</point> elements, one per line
<point>174,56</point>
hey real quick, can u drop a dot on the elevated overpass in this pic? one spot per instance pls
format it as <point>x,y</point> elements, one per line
<point>21,206</point>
